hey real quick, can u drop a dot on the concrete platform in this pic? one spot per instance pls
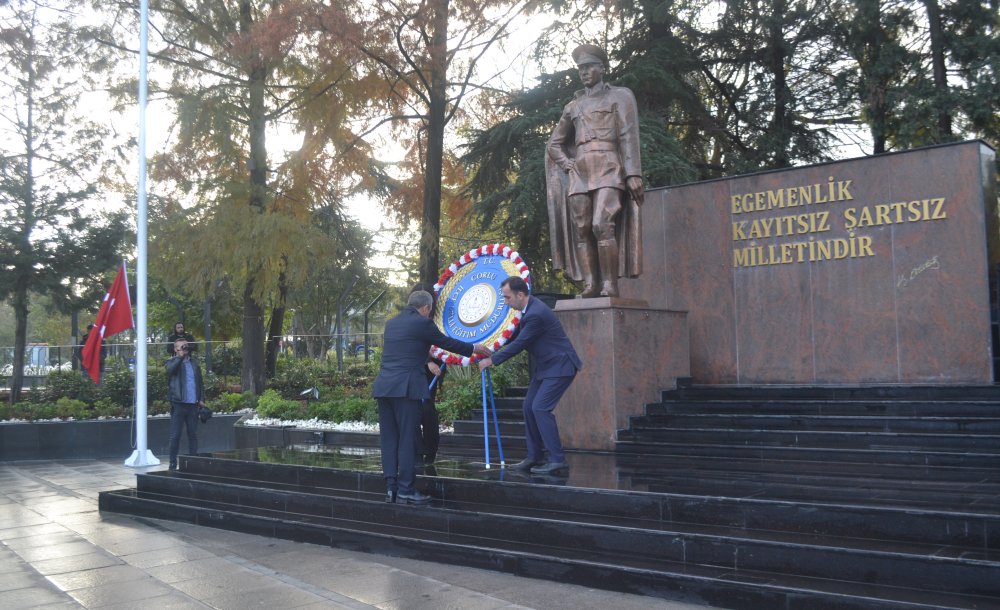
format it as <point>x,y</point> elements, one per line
<point>58,551</point>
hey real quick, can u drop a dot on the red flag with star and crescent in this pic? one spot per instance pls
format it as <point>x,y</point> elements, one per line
<point>114,317</point>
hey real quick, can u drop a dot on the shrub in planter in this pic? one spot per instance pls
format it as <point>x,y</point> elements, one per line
<point>118,387</point>
<point>230,402</point>
<point>459,397</point>
<point>103,407</point>
<point>43,410</point>
<point>293,375</point>
<point>271,404</point>
<point>355,408</point>
<point>157,387</point>
<point>67,407</point>
<point>215,386</point>
<point>72,384</point>
<point>325,411</point>
<point>21,410</point>
<point>158,407</point>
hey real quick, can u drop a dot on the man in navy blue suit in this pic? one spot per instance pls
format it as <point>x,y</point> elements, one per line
<point>401,386</point>
<point>556,365</point>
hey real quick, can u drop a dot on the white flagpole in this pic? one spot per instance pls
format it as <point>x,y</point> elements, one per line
<point>141,456</point>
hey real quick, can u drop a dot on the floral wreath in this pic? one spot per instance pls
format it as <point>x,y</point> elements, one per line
<point>487,250</point>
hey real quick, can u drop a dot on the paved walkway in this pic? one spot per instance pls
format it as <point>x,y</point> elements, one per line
<point>58,551</point>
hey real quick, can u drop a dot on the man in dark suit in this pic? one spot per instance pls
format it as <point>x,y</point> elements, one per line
<point>556,365</point>
<point>400,387</point>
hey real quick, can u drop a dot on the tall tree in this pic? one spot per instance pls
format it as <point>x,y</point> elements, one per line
<point>243,73</point>
<point>431,51</point>
<point>872,36</point>
<point>52,157</point>
<point>973,39</point>
<point>923,72</point>
<point>342,254</point>
<point>939,71</point>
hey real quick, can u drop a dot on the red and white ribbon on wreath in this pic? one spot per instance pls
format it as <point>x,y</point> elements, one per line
<point>465,259</point>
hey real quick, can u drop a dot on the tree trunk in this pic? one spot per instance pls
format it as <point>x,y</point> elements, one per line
<point>941,111</point>
<point>21,274</point>
<point>274,330</point>
<point>430,229</point>
<point>252,374</point>
<point>875,74</point>
<point>781,124</point>
<point>20,304</point>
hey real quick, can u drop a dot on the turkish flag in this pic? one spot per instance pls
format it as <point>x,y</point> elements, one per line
<point>114,317</point>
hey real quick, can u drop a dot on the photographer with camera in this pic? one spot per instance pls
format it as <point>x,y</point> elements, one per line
<point>187,393</point>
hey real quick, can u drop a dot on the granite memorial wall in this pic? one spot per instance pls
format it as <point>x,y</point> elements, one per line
<point>870,270</point>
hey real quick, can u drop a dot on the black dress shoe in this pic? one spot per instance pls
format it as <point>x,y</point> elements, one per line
<point>526,464</point>
<point>172,467</point>
<point>561,468</point>
<point>416,498</point>
<point>390,497</point>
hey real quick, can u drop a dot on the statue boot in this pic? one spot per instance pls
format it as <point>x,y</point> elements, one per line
<point>607,252</point>
<point>588,263</point>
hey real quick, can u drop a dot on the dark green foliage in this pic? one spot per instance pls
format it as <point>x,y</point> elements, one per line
<point>459,399</point>
<point>227,359</point>
<point>461,394</point>
<point>353,408</point>
<point>71,408</point>
<point>270,404</point>
<point>157,407</point>
<point>118,386</point>
<point>230,402</point>
<point>295,375</point>
<point>71,384</point>
<point>103,407</point>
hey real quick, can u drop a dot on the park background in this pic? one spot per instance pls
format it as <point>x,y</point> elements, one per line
<point>312,160</point>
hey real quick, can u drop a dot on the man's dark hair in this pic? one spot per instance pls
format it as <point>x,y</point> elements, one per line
<point>516,284</point>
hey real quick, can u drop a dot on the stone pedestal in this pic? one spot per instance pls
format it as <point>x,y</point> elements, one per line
<point>630,352</point>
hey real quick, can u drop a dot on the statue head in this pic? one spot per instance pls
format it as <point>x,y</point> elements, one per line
<point>591,62</point>
<point>590,54</point>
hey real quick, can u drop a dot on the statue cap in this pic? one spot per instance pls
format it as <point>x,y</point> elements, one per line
<point>590,54</point>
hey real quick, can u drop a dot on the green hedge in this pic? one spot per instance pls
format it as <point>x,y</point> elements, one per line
<point>343,397</point>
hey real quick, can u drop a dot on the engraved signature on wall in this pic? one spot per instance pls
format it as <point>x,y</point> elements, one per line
<point>905,280</point>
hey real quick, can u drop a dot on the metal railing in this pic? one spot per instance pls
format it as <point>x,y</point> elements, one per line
<point>221,357</point>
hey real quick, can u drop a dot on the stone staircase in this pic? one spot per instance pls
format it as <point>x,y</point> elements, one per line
<point>794,498</point>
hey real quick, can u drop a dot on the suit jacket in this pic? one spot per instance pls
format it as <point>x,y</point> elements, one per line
<point>543,336</point>
<point>408,339</point>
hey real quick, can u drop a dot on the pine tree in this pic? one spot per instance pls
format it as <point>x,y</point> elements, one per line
<point>52,157</point>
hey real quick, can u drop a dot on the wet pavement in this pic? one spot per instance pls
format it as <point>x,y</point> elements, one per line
<point>58,551</point>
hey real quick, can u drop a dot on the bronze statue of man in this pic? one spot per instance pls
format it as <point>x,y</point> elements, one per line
<point>594,181</point>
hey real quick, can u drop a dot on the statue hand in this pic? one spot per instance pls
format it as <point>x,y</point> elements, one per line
<point>634,184</point>
<point>570,165</point>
